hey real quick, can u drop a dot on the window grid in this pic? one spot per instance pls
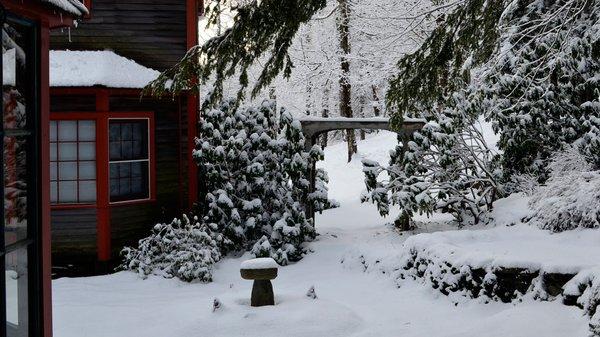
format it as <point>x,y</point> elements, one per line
<point>129,164</point>
<point>56,161</point>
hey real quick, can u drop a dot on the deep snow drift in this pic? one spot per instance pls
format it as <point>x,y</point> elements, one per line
<point>349,301</point>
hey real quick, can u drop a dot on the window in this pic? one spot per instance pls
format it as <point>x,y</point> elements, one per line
<point>20,228</point>
<point>72,161</point>
<point>129,159</point>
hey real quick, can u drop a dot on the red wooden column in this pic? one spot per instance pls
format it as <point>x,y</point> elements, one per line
<point>192,105</point>
<point>103,239</point>
<point>46,230</point>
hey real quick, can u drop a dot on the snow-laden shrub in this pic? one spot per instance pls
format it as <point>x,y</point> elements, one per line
<point>255,189</point>
<point>571,196</point>
<point>445,167</point>
<point>584,291</point>
<point>184,249</point>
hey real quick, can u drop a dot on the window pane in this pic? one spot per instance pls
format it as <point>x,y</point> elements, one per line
<point>15,189</point>
<point>53,131</point>
<point>128,139</point>
<point>15,276</point>
<point>127,150</point>
<point>87,151</point>
<point>137,185</point>
<point>67,170</point>
<point>124,170</point>
<point>53,153</point>
<point>87,191</point>
<point>137,168</point>
<point>53,171</point>
<point>53,191</point>
<point>115,132</point>
<point>87,130</point>
<point>129,181</point>
<point>67,191</point>
<point>115,151</point>
<point>16,77</point>
<point>126,131</point>
<point>87,170</point>
<point>67,151</point>
<point>124,187</point>
<point>67,131</point>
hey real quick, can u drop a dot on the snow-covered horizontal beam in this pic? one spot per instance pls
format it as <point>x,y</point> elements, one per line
<point>314,126</point>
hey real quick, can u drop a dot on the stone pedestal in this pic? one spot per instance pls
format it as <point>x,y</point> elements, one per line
<point>262,293</point>
<point>262,289</point>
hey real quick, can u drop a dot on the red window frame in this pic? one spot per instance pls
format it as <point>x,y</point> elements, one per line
<point>102,155</point>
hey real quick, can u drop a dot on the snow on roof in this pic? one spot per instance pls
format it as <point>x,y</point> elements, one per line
<point>74,7</point>
<point>91,68</point>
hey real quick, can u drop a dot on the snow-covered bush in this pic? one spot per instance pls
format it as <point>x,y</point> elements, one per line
<point>583,290</point>
<point>184,249</point>
<point>255,170</point>
<point>255,191</point>
<point>570,198</point>
<point>447,166</point>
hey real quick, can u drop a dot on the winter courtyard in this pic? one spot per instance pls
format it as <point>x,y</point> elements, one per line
<point>300,168</point>
<point>352,268</point>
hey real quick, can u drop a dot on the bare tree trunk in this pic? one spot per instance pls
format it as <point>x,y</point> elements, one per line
<point>309,86</point>
<point>325,113</point>
<point>361,102</point>
<point>345,86</point>
<point>376,108</point>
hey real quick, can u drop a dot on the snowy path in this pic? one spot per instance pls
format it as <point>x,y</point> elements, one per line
<point>350,302</point>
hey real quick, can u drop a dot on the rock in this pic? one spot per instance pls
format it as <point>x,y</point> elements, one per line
<point>311,293</point>
<point>554,282</point>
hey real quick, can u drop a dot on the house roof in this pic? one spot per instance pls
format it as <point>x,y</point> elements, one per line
<point>74,7</point>
<point>88,68</point>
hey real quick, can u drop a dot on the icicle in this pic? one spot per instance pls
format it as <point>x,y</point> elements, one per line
<point>69,29</point>
<point>61,18</point>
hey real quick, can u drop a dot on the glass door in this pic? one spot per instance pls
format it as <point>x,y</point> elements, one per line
<point>19,251</point>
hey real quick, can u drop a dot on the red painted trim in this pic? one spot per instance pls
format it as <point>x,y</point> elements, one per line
<point>102,100</point>
<point>46,230</point>
<point>72,206</point>
<point>192,23</point>
<point>192,106</point>
<point>103,236</point>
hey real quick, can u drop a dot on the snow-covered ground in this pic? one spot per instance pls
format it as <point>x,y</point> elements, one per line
<point>350,302</point>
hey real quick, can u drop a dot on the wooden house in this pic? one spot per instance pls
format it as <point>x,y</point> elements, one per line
<point>25,289</point>
<point>119,162</point>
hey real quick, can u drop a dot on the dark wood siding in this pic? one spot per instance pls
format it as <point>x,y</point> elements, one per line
<point>151,32</point>
<point>73,103</point>
<point>73,232</point>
